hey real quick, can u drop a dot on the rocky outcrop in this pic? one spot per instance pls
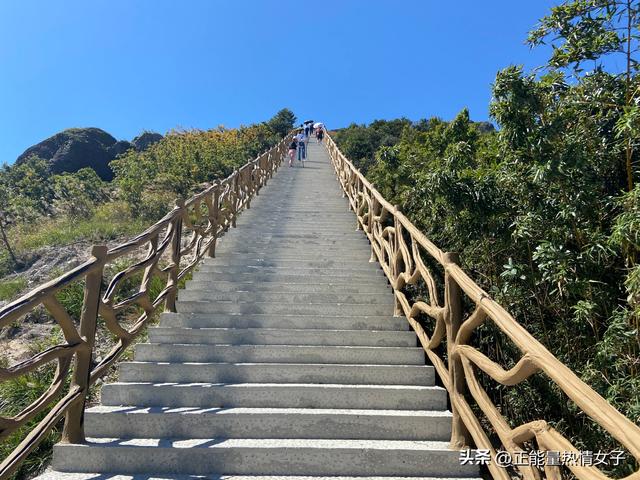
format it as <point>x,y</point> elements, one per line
<point>145,140</point>
<point>485,127</point>
<point>76,148</point>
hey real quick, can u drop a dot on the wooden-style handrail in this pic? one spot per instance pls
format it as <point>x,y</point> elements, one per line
<point>403,265</point>
<point>174,246</point>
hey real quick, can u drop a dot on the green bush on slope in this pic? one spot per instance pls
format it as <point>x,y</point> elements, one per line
<point>536,213</point>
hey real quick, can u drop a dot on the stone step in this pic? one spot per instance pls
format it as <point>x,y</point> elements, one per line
<point>302,250</point>
<point>289,277</point>
<point>53,475</point>
<point>273,336</point>
<point>354,238</point>
<point>204,294</point>
<point>300,228</point>
<point>283,254</point>
<point>350,374</point>
<point>284,214</point>
<point>302,235</point>
<point>268,204</point>
<point>256,218</point>
<point>252,235</point>
<point>371,270</point>
<point>296,221</point>
<point>380,288</point>
<point>363,269</point>
<point>262,456</point>
<point>325,309</point>
<point>290,263</point>
<point>159,352</point>
<point>314,322</point>
<point>314,198</point>
<point>190,422</point>
<point>275,395</point>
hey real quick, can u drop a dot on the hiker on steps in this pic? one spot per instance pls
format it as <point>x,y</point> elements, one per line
<point>293,146</point>
<point>302,147</point>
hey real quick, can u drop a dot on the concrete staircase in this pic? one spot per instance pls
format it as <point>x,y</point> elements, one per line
<point>284,360</point>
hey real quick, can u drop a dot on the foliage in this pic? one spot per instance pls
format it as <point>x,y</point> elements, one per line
<point>359,143</point>
<point>182,161</point>
<point>588,30</point>
<point>605,32</point>
<point>282,122</point>
<point>536,212</point>
<point>10,288</point>
<point>38,209</point>
<point>15,395</point>
<point>77,194</point>
<point>28,191</point>
<point>108,222</point>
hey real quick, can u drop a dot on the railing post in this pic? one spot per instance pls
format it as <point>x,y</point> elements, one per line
<point>276,158</point>
<point>373,207</point>
<point>356,199</point>
<point>236,196</point>
<point>250,188</point>
<point>257,184</point>
<point>453,301</point>
<point>397,228</point>
<point>176,247</point>
<point>341,174</point>
<point>213,205</point>
<point>267,167</point>
<point>73,431</point>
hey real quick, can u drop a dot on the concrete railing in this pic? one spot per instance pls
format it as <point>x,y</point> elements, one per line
<point>172,248</point>
<point>401,248</point>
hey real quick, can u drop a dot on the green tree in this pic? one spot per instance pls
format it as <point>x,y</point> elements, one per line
<point>180,163</point>
<point>30,190</point>
<point>77,194</point>
<point>282,122</point>
<point>5,209</point>
<point>594,30</point>
<point>360,142</point>
<point>535,212</point>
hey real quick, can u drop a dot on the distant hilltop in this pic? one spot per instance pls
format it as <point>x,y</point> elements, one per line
<point>76,148</point>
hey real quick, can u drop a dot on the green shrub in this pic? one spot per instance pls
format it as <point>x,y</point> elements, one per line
<point>11,288</point>
<point>15,395</point>
<point>77,194</point>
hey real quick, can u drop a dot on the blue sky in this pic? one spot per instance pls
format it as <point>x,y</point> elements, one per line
<point>130,65</point>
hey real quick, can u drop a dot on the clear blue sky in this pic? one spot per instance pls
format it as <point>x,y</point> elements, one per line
<point>130,65</point>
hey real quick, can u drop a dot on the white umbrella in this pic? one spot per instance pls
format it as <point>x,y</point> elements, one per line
<point>318,125</point>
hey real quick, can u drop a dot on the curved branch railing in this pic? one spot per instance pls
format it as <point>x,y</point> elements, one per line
<point>389,233</point>
<point>174,246</point>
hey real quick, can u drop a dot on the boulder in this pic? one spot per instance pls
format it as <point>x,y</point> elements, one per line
<point>145,139</point>
<point>76,148</point>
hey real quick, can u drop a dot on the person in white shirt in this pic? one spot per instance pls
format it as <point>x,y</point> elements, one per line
<point>302,147</point>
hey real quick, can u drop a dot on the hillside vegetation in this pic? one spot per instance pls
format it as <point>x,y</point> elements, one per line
<point>41,208</point>
<point>545,213</point>
<point>41,212</point>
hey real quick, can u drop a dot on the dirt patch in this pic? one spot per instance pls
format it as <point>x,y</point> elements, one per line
<point>17,339</point>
